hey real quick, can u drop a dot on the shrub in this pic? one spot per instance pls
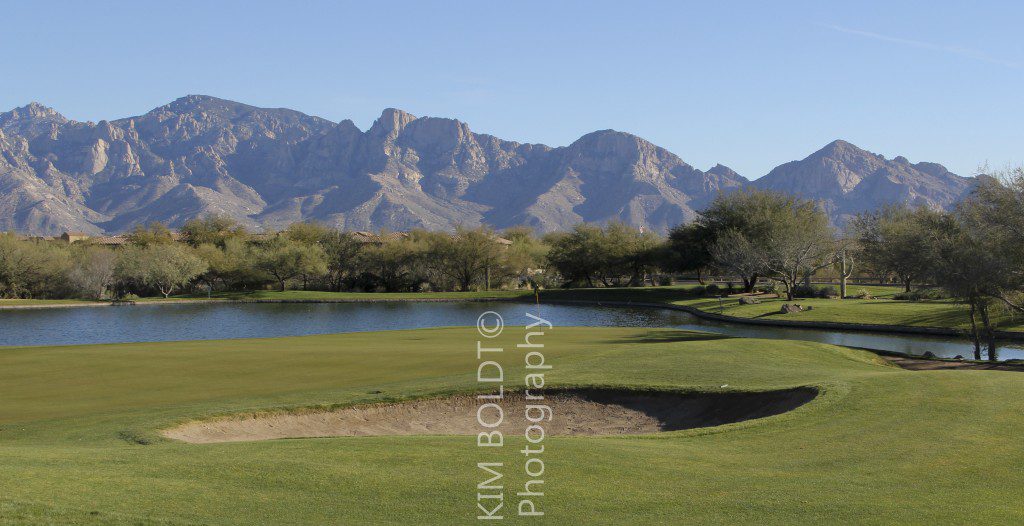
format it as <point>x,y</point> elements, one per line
<point>918,295</point>
<point>863,294</point>
<point>827,291</point>
<point>664,279</point>
<point>712,290</point>
<point>804,291</point>
<point>933,294</point>
<point>698,290</point>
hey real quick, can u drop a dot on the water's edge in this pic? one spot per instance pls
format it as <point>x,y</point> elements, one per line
<point>1014,336</point>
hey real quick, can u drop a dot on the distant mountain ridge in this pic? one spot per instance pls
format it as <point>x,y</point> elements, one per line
<point>848,180</point>
<point>270,167</point>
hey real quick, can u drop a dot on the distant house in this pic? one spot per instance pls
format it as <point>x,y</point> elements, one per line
<point>111,241</point>
<point>366,237</point>
<point>72,237</point>
<point>363,236</point>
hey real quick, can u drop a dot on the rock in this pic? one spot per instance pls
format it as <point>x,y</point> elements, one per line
<point>958,357</point>
<point>747,300</point>
<point>928,354</point>
<point>790,309</point>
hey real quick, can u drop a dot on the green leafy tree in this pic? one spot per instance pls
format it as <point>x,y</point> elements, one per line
<point>895,240</point>
<point>152,234</point>
<point>393,264</point>
<point>284,259</point>
<point>164,268</point>
<point>213,229</point>
<point>689,249</point>
<point>576,255</point>
<point>467,257</point>
<point>30,268</point>
<point>745,214</point>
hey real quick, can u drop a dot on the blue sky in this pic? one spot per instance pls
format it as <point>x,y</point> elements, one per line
<point>750,85</point>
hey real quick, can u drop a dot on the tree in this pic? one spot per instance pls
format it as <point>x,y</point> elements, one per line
<point>797,242</point>
<point>341,251</point>
<point>627,251</point>
<point>895,240</point>
<point>745,213</point>
<point>760,233</point>
<point>213,229</point>
<point>161,267</point>
<point>963,268</point>
<point>994,217</point>
<point>391,263</point>
<point>92,270</point>
<point>735,253</point>
<point>466,257</point>
<point>527,255</point>
<point>155,233</point>
<point>285,259</point>
<point>29,268</point>
<point>980,259</point>
<point>689,249</point>
<point>576,255</point>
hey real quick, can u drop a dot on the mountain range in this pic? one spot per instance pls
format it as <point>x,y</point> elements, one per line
<point>270,167</point>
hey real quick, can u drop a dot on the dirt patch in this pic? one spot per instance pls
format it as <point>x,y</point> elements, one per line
<point>575,412</point>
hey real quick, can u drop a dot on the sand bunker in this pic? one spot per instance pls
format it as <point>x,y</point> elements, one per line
<point>581,412</point>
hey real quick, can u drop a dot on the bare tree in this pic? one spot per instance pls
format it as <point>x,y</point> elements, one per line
<point>797,243</point>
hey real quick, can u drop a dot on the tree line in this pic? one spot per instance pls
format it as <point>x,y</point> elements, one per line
<point>973,254</point>
<point>779,242</point>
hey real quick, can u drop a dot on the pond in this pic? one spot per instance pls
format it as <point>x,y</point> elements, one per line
<point>174,322</point>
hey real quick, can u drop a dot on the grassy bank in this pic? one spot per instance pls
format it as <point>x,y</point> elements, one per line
<point>79,435</point>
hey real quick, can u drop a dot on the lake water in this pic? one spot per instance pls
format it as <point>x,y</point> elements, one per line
<point>142,323</point>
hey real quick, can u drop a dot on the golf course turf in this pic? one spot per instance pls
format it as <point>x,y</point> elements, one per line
<point>81,443</point>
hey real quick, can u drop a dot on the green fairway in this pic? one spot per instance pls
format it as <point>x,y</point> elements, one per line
<point>80,443</point>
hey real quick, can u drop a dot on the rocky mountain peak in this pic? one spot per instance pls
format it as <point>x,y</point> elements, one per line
<point>31,119</point>
<point>205,103</point>
<point>842,151</point>
<point>390,122</point>
<point>722,170</point>
<point>847,179</point>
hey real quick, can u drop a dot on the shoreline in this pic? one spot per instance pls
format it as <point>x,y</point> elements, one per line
<point>1012,336</point>
<point>828,325</point>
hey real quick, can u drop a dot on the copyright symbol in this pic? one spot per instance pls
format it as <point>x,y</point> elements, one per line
<point>490,324</point>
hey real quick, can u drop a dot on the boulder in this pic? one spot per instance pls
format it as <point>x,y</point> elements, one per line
<point>790,309</point>
<point>958,357</point>
<point>928,354</point>
<point>747,300</point>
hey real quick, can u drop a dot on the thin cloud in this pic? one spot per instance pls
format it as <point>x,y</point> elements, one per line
<point>955,50</point>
